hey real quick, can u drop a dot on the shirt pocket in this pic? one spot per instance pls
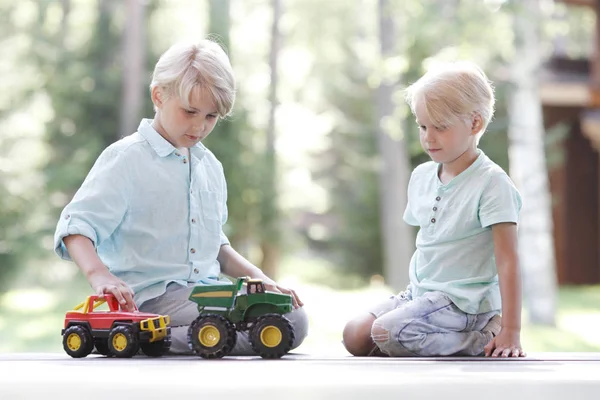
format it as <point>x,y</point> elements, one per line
<point>211,210</point>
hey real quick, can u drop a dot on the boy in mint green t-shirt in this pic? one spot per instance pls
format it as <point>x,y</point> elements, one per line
<point>465,270</point>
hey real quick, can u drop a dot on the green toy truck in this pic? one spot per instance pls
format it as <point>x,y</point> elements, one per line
<point>224,311</point>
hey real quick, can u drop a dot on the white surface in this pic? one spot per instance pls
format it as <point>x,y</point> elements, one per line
<point>541,376</point>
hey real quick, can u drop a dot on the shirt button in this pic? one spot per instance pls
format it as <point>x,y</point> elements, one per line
<point>196,270</point>
<point>433,220</point>
<point>67,216</point>
<point>438,198</point>
<point>434,208</point>
<point>192,251</point>
<point>193,220</point>
<point>177,154</point>
<point>185,161</point>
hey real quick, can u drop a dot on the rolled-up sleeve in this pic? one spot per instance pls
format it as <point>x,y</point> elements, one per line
<point>99,205</point>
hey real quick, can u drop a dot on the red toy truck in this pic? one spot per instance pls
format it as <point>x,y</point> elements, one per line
<point>114,332</point>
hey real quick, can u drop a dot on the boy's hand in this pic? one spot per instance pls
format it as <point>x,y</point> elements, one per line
<point>271,286</point>
<point>506,344</point>
<point>106,283</point>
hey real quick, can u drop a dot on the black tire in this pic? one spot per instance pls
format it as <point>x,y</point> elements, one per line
<point>158,348</point>
<point>123,341</point>
<point>101,345</point>
<point>212,336</point>
<point>78,341</point>
<point>272,336</point>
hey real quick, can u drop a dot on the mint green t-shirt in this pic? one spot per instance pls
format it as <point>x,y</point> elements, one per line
<point>455,249</point>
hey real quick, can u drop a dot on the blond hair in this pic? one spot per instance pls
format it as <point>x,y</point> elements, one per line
<point>203,65</point>
<point>454,92</point>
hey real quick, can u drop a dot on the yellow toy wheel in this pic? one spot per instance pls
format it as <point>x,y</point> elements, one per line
<point>212,336</point>
<point>271,336</point>
<point>123,341</point>
<point>209,336</point>
<point>119,342</point>
<point>74,342</point>
<point>77,341</point>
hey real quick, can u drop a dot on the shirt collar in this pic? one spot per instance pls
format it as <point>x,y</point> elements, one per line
<point>480,157</point>
<point>160,145</point>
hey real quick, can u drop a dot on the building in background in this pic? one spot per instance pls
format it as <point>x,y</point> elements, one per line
<point>570,94</point>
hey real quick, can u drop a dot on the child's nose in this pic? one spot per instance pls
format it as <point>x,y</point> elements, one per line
<point>199,126</point>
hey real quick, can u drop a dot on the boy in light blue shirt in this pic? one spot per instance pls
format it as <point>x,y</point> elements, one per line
<point>465,269</point>
<point>147,223</point>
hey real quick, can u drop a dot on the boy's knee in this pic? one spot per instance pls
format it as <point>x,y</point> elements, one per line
<point>379,334</point>
<point>357,335</point>
<point>394,339</point>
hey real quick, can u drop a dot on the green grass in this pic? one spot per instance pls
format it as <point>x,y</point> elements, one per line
<point>577,323</point>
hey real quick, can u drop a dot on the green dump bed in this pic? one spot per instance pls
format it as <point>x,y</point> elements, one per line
<point>215,295</point>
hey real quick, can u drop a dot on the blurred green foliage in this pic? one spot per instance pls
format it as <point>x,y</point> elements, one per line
<point>63,74</point>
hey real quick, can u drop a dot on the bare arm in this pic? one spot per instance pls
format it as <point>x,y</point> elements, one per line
<point>508,341</point>
<point>235,265</point>
<point>82,251</point>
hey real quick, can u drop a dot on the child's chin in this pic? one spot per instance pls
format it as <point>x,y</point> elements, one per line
<point>436,157</point>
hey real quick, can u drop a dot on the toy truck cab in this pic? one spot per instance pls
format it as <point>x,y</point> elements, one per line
<point>114,332</point>
<point>255,286</point>
<point>225,309</point>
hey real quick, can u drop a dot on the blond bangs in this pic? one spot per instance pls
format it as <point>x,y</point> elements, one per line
<point>453,92</point>
<point>204,66</point>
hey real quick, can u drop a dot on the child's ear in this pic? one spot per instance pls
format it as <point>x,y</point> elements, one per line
<point>477,124</point>
<point>157,97</point>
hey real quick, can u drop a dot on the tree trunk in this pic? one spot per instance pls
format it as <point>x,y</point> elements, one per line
<point>270,216</point>
<point>397,236</point>
<point>529,171</point>
<point>133,66</point>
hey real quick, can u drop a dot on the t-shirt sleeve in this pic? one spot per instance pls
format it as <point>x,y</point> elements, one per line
<point>409,216</point>
<point>500,201</point>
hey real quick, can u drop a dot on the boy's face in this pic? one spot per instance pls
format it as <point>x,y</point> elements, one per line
<point>184,126</point>
<point>445,144</point>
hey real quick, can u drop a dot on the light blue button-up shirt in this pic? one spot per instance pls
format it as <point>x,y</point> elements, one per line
<point>154,215</point>
<point>455,247</point>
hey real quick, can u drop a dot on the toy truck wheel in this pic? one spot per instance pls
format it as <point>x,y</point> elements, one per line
<point>101,345</point>
<point>156,349</point>
<point>272,336</point>
<point>77,341</point>
<point>211,336</point>
<point>123,342</point>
